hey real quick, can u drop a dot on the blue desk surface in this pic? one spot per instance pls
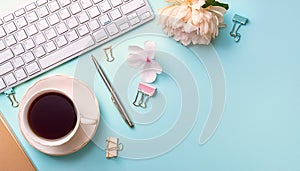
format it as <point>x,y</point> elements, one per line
<point>260,126</point>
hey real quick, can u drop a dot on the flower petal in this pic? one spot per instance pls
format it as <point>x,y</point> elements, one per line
<point>135,49</point>
<point>155,66</point>
<point>150,71</point>
<point>135,60</point>
<point>148,76</point>
<point>150,48</point>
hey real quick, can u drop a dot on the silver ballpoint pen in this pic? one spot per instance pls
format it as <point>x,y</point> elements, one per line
<point>114,97</point>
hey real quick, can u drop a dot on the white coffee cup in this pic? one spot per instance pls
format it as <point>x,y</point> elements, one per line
<point>23,119</point>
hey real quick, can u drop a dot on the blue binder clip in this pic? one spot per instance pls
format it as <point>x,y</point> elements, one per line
<point>238,20</point>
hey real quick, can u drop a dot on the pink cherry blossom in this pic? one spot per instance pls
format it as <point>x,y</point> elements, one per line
<point>145,59</point>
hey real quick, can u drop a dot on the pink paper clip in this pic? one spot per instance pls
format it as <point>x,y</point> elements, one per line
<point>145,91</point>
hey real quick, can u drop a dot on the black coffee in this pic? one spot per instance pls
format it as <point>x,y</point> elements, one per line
<point>52,116</point>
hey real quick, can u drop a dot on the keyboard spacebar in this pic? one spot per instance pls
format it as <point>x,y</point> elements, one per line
<point>66,52</point>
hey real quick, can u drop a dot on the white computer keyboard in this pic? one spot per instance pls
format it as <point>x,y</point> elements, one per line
<point>47,33</point>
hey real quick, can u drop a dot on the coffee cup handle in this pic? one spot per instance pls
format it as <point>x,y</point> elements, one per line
<point>87,121</point>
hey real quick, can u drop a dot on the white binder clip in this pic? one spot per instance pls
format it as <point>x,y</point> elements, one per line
<point>145,91</point>
<point>113,147</point>
<point>237,19</point>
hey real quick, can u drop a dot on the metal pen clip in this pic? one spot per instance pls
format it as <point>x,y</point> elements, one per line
<point>11,95</point>
<point>109,54</point>
<point>238,20</point>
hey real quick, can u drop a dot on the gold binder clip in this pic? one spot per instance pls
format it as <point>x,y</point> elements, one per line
<point>109,54</point>
<point>113,147</point>
<point>11,95</point>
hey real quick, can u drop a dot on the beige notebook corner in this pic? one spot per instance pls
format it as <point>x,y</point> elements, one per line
<point>12,156</point>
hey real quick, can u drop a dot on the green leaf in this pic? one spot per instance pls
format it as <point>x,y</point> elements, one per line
<point>215,3</point>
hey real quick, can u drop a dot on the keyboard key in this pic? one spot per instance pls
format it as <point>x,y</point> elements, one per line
<point>2,84</point>
<point>20,74</point>
<point>10,27</point>
<point>53,19</point>
<point>72,22</point>
<point>28,57</point>
<point>94,12</point>
<point>124,26</point>
<point>112,29</point>
<point>8,18</point>
<point>41,2</point>
<point>94,25</point>
<point>21,35</point>
<point>39,52</point>
<point>10,40</point>
<point>104,19</point>
<point>32,17</point>
<point>29,44</point>
<point>83,17</point>
<point>65,2</point>
<point>96,1</point>
<point>39,39</point>
<point>50,46</point>
<point>21,22</point>
<point>2,45</point>
<point>31,30</point>
<point>72,35</point>
<point>43,12</point>
<point>18,49</point>
<point>134,21</point>
<point>50,34</point>
<point>20,12</point>
<point>115,14</point>
<point>68,51</point>
<point>2,32</point>
<point>100,35</point>
<point>18,62</point>
<point>61,28</point>
<point>61,41</point>
<point>30,7</point>
<point>75,8</point>
<point>145,15</point>
<point>132,16</point>
<point>64,14</point>
<point>32,68</point>
<point>42,24</point>
<point>6,55</point>
<point>105,6</point>
<point>85,4</point>
<point>53,6</point>
<point>83,30</point>
<point>116,2</point>
<point>10,79</point>
<point>132,6</point>
<point>5,68</point>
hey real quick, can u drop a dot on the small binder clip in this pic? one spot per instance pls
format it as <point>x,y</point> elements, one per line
<point>11,95</point>
<point>109,54</point>
<point>113,147</point>
<point>237,19</point>
<point>145,91</point>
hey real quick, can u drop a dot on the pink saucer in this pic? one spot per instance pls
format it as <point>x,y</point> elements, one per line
<point>86,102</point>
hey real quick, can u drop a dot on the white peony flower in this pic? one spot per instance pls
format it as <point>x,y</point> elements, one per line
<point>188,22</point>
